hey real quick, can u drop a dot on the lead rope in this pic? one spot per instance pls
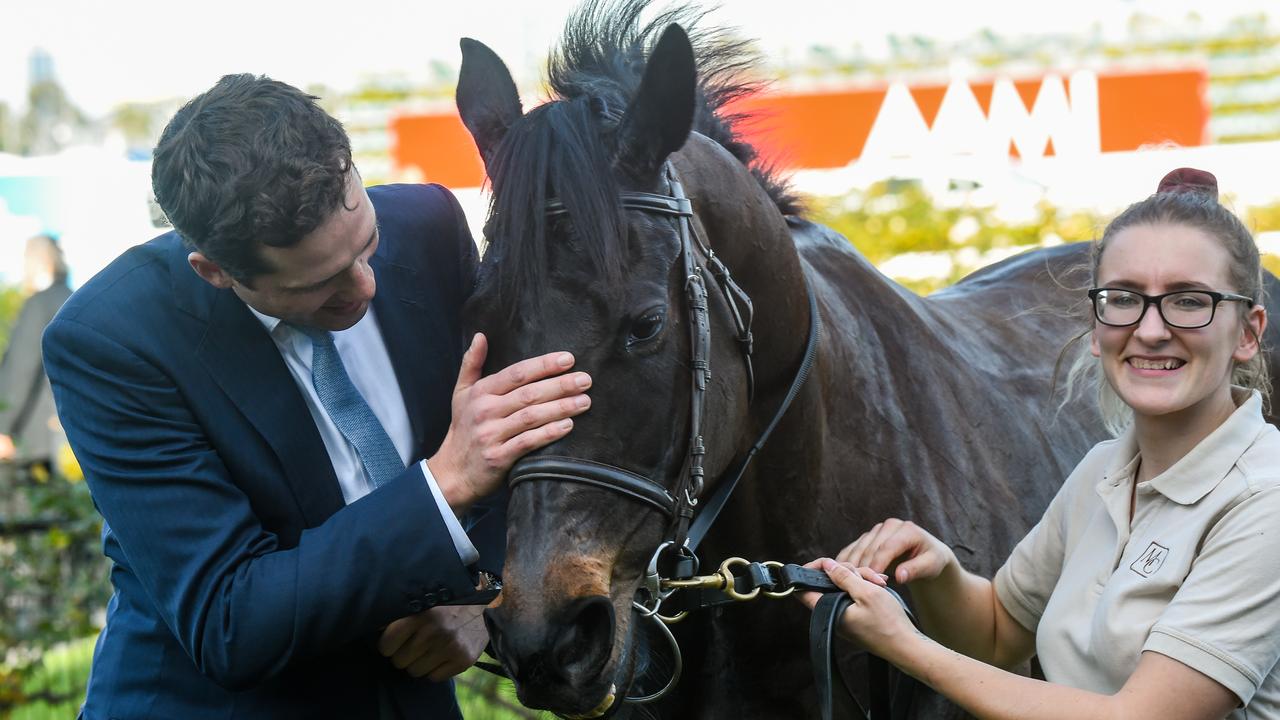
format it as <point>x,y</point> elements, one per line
<point>889,700</point>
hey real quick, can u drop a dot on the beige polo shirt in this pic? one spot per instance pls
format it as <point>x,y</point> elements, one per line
<point>1196,577</point>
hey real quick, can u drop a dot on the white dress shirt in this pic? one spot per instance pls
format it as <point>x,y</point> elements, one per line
<point>364,355</point>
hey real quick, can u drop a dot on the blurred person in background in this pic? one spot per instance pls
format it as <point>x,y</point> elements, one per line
<point>289,438</point>
<point>29,431</point>
<point>1150,589</point>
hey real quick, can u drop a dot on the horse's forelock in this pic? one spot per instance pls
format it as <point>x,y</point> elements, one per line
<point>557,149</point>
<point>602,54</point>
<point>565,146</point>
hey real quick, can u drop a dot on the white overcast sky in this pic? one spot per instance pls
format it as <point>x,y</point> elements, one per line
<point>110,52</point>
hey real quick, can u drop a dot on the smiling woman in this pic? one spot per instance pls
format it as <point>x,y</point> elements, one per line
<point>1151,569</point>
<point>1179,239</point>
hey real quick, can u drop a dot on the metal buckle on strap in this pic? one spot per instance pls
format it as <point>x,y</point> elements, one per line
<point>651,584</point>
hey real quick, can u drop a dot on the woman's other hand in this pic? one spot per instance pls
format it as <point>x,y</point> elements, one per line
<point>899,547</point>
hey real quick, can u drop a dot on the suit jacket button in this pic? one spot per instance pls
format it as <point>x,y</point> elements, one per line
<point>415,606</point>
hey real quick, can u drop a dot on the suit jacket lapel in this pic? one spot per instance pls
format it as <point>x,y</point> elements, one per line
<point>406,324</point>
<point>245,363</point>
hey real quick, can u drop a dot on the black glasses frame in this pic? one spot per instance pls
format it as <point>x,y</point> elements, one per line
<point>1149,300</point>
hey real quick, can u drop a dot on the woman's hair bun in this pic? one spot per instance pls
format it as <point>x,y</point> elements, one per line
<point>1190,180</point>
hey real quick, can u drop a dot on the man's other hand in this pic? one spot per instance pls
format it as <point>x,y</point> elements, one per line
<point>437,643</point>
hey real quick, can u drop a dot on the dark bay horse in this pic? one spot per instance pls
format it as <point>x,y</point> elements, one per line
<point>937,409</point>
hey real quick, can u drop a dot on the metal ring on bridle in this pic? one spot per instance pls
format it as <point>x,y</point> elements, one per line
<point>779,566</point>
<point>651,584</point>
<point>726,572</point>
<point>675,671</point>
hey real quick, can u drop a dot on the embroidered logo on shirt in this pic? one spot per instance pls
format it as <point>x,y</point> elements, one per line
<point>1150,560</point>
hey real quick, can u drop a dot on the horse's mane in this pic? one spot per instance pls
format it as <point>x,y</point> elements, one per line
<point>565,146</point>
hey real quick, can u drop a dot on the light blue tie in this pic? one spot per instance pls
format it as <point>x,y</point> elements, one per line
<point>349,411</point>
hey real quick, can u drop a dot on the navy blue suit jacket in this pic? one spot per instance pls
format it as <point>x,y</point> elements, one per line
<point>244,588</point>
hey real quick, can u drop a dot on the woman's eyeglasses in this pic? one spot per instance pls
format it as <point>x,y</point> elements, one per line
<point>1186,309</point>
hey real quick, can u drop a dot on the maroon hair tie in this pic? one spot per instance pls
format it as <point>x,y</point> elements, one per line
<point>1190,180</point>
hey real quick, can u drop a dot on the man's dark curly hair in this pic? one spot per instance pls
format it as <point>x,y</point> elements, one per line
<point>250,161</point>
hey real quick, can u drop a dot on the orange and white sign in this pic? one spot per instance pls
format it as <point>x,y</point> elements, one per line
<point>1082,114</point>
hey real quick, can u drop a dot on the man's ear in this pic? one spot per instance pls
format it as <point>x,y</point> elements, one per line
<point>211,271</point>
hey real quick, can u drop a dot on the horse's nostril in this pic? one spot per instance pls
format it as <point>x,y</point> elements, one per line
<point>584,645</point>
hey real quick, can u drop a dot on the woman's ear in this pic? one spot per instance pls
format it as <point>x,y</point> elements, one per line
<point>1250,341</point>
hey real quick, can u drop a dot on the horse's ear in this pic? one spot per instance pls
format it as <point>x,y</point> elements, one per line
<point>660,117</point>
<point>487,98</point>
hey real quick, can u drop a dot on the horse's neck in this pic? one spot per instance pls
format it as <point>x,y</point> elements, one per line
<point>885,381</point>
<point>880,341</point>
<point>880,359</point>
<point>776,514</point>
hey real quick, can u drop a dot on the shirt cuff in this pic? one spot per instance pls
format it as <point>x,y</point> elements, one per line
<point>1205,659</point>
<point>466,551</point>
<point>1014,601</point>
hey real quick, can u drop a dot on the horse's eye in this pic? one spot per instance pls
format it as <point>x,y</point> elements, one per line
<point>647,326</point>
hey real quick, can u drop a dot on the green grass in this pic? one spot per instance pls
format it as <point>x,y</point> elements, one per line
<point>487,697</point>
<point>63,673</point>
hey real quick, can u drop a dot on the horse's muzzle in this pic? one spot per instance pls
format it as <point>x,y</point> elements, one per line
<point>561,664</point>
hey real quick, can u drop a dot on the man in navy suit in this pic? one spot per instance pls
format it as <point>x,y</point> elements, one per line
<point>277,552</point>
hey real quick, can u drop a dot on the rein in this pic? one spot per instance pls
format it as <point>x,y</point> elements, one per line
<point>681,589</point>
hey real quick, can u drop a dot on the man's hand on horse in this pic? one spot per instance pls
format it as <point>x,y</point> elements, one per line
<point>438,643</point>
<point>500,417</point>
<point>899,547</point>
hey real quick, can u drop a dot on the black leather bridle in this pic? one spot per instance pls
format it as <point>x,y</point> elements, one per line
<point>680,503</point>
<point>687,524</point>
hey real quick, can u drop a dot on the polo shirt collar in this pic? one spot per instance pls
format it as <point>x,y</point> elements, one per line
<point>1200,470</point>
<point>1122,465</point>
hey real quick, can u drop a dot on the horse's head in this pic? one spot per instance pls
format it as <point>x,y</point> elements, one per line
<point>582,257</point>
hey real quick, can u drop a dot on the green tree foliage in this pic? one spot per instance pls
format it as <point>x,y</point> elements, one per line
<point>896,217</point>
<point>8,129</point>
<point>54,689</point>
<point>1265,218</point>
<point>11,300</point>
<point>138,122</point>
<point>51,121</point>
<point>53,577</point>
